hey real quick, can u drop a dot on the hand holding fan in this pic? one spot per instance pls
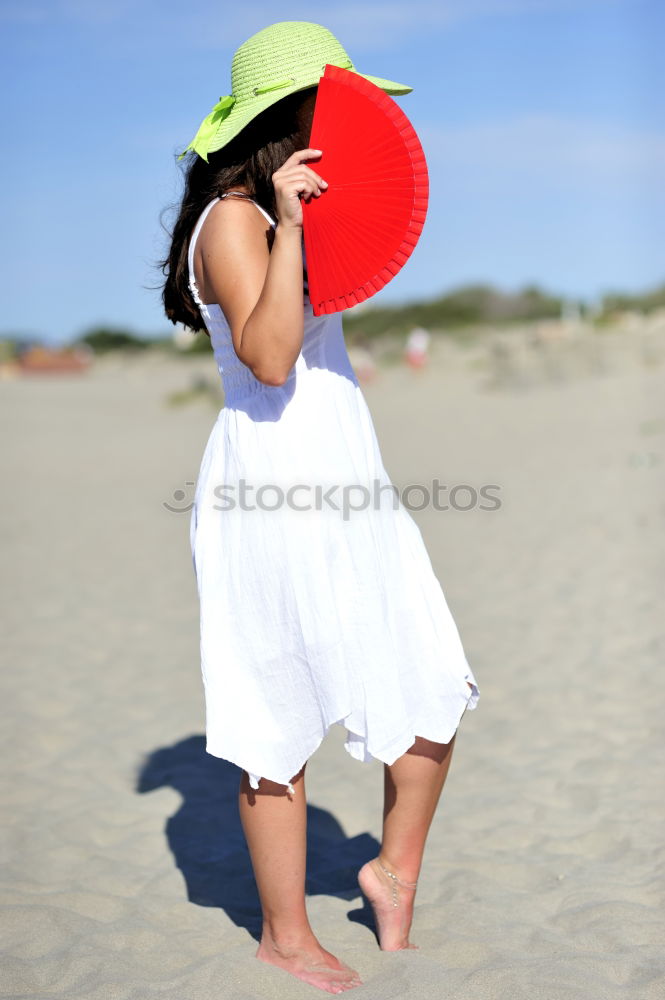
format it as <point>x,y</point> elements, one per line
<point>362,229</point>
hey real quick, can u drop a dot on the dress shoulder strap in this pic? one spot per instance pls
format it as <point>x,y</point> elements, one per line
<point>197,229</point>
<point>190,253</point>
<point>242,194</point>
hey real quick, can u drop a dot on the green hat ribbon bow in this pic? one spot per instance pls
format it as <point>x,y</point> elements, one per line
<point>209,126</point>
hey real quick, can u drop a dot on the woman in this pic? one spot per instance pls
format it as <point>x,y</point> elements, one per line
<point>312,613</point>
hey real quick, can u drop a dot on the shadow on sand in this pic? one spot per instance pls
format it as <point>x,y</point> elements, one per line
<point>209,847</point>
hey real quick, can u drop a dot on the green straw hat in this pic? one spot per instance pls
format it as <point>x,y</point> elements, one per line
<point>278,60</point>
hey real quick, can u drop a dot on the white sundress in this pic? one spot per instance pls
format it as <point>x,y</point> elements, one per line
<point>318,600</point>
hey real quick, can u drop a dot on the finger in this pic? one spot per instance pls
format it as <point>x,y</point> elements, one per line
<point>306,184</point>
<point>305,154</point>
<point>307,190</point>
<point>306,171</point>
<point>309,176</point>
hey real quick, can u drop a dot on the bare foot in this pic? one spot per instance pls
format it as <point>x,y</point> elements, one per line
<point>311,963</point>
<point>393,923</point>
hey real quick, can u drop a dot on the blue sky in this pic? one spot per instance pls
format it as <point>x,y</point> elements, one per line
<point>542,122</point>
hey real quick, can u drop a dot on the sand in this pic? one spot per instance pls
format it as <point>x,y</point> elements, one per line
<point>125,870</point>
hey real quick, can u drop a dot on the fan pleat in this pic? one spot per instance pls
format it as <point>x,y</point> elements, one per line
<point>361,231</point>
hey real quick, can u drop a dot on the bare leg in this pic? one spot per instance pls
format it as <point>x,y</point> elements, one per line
<point>412,786</point>
<point>274,824</point>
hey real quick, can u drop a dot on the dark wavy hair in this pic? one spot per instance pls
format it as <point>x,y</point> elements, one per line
<point>250,159</point>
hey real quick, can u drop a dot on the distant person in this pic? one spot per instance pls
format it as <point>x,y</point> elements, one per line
<point>308,618</point>
<point>415,351</point>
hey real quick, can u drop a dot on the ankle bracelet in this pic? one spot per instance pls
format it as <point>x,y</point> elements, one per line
<point>396,881</point>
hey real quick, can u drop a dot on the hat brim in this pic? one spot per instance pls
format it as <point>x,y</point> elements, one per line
<point>241,116</point>
<point>389,86</point>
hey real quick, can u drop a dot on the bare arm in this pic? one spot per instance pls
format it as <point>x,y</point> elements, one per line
<point>261,291</point>
<point>273,333</point>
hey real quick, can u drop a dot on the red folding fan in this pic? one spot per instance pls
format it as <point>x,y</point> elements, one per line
<point>362,229</point>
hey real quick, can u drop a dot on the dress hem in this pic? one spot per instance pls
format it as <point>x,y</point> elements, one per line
<point>387,754</point>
